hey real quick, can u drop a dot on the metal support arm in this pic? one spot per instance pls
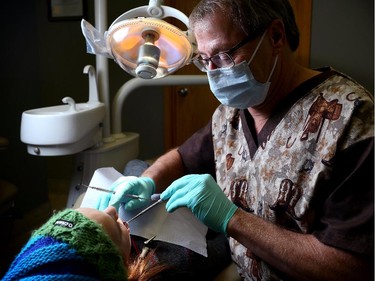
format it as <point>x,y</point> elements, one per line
<point>135,83</point>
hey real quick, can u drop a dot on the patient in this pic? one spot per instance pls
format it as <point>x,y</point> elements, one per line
<point>88,244</point>
<point>82,244</point>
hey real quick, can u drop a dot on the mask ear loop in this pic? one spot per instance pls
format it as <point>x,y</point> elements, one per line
<point>256,48</point>
<point>273,68</point>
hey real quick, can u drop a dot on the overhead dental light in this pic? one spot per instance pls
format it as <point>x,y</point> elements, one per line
<point>142,43</point>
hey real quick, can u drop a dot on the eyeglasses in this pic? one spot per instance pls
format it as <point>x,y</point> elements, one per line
<point>221,59</point>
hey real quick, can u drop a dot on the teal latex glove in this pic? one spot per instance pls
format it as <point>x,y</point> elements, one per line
<point>141,186</point>
<point>202,195</point>
<point>103,200</point>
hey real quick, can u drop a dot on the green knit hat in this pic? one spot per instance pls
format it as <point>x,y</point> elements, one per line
<point>69,244</point>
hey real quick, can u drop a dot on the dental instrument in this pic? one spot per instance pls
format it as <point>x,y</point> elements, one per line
<point>99,188</point>
<point>146,247</point>
<point>145,210</point>
<point>114,192</point>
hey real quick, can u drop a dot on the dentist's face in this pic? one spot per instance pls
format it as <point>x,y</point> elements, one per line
<point>217,33</point>
<point>116,229</point>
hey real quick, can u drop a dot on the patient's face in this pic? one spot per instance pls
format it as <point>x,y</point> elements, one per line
<point>117,230</point>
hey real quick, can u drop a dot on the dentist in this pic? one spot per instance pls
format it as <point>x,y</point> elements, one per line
<point>279,169</point>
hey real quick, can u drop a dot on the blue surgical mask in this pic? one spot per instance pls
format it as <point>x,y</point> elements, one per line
<point>236,86</point>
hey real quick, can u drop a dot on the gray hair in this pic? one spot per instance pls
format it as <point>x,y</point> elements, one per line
<point>252,16</point>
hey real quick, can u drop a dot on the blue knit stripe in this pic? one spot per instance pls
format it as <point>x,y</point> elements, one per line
<point>40,253</point>
<point>69,277</point>
<point>35,243</point>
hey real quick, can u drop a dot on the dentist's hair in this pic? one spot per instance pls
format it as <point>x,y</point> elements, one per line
<point>252,16</point>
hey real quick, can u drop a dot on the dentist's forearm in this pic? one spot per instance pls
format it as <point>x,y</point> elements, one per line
<point>165,170</point>
<point>301,256</point>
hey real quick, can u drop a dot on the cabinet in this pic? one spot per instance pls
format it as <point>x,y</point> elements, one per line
<point>188,108</point>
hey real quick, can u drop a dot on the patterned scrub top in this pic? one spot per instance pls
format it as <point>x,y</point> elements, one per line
<point>303,171</point>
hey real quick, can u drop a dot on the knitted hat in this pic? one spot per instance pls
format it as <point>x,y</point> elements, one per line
<point>68,246</point>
